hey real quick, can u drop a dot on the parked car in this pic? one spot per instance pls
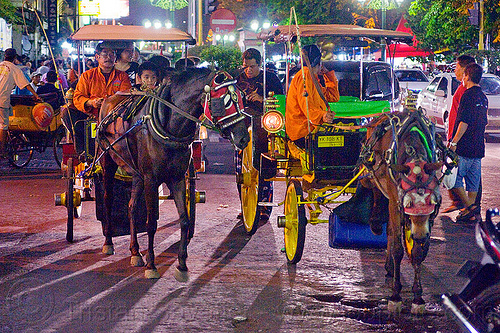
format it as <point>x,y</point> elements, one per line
<point>376,80</point>
<point>435,100</point>
<point>411,79</point>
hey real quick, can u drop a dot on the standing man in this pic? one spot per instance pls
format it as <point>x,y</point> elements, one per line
<point>251,82</point>
<point>468,141</point>
<point>461,62</point>
<point>98,83</point>
<point>10,77</point>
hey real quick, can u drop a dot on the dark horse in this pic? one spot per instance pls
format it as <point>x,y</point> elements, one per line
<point>401,154</point>
<point>149,138</point>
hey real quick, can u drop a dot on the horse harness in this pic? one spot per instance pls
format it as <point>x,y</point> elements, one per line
<point>416,180</point>
<point>222,108</point>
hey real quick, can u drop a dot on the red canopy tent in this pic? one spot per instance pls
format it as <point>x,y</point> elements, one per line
<point>404,50</point>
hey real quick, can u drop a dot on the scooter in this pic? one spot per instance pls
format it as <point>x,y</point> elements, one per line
<point>477,307</point>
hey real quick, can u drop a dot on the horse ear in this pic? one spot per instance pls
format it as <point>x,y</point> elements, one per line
<point>430,167</point>
<point>400,168</point>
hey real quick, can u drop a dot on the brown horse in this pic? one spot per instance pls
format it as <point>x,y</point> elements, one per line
<point>400,154</point>
<point>149,137</point>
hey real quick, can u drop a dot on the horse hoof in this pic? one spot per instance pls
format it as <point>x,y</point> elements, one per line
<point>108,249</point>
<point>181,276</point>
<point>417,309</point>
<point>136,261</point>
<point>394,307</point>
<point>151,274</point>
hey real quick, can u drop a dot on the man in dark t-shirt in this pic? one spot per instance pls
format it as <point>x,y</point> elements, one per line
<point>468,141</point>
<point>251,82</point>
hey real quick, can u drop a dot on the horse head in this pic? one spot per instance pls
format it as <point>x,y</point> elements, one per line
<point>223,107</point>
<point>418,196</point>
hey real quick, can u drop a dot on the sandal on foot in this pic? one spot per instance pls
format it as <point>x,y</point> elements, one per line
<point>452,208</point>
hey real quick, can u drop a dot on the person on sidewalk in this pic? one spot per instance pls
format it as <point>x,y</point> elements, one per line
<point>468,142</point>
<point>10,77</point>
<point>461,62</point>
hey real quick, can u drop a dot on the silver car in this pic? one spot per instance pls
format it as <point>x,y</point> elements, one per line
<point>435,100</point>
<point>411,79</point>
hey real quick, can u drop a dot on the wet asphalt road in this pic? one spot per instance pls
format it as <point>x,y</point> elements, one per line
<point>237,283</point>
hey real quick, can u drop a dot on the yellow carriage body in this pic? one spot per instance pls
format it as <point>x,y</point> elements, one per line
<point>22,120</point>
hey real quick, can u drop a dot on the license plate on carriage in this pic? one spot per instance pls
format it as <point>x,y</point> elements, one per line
<point>331,141</point>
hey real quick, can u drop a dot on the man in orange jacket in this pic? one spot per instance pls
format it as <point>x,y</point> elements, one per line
<point>92,88</point>
<point>101,82</point>
<point>297,104</point>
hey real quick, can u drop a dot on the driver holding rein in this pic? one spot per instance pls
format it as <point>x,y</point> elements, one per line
<point>92,88</point>
<point>98,83</point>
<point>296,115</point>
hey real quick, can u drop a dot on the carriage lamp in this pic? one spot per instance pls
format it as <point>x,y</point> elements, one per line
<point>273,121</point>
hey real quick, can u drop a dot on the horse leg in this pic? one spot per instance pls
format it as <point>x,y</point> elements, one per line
<point>394,256</point>
<point>418,303</point>
<point>137,190</point>
<point>109,168</point>
<point>418,254</point>
<point>179,191</point>
<point>151,195</point>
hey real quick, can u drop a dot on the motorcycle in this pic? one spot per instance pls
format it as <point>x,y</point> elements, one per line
<point>477,307</point>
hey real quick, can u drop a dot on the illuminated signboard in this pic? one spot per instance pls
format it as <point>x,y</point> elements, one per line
<point>88,7</point>
<point>105,9</point>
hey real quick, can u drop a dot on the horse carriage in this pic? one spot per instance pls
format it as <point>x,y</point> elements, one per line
<point>383,161</point>
<point>33,127</point>
<point>144,139</point>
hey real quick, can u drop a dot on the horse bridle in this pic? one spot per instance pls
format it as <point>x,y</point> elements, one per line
<point>223,102</point>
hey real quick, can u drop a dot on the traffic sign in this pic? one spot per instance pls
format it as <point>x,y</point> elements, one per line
<point>222,20</point>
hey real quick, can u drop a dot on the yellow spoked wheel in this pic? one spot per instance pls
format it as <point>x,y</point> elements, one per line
<point>191,198</point>
<point>295,227</point>
<point>249,190</point>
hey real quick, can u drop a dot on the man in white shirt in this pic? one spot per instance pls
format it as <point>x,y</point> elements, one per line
<point>10,77</point>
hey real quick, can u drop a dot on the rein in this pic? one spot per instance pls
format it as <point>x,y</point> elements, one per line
<point>173,107</point>
<point>397,126</point>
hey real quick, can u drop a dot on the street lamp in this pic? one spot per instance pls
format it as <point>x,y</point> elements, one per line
<point>254,25</point>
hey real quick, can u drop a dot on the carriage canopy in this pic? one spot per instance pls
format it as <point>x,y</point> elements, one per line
<point>132,33</point>
<point>284,33</point>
